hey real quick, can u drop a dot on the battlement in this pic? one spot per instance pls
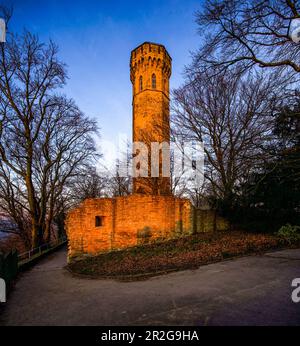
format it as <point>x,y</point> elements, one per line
<point>150,48</point>
<point>150,55</point>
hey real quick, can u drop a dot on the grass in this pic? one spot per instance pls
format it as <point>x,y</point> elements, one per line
<point>177,254</point>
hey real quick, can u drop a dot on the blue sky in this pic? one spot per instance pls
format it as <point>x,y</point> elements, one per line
<point>95,39</point>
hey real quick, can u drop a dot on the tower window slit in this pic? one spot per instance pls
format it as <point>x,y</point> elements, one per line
<point>141,83</point>
<point>153,81</point>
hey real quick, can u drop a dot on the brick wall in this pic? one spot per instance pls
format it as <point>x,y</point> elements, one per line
<point>134,220</point>
<point>126,221</point>
<point>209,221</point>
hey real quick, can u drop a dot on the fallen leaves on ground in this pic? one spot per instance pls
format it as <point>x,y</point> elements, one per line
<point>182,253</point>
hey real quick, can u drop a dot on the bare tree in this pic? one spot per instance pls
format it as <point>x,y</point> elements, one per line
<point>231,115</point>
<point>87,184</point>
<point>45,138</point>
<point>247,33</point>
<point>118,178</point>
<point>119,185</point>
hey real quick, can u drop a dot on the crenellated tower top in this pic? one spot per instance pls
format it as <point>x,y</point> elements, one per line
<point>149,60</point>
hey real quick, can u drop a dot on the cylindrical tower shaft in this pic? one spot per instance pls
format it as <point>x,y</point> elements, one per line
<point>150,71</point>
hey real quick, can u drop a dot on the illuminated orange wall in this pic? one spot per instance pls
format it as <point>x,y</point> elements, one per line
<point>127,221</point>
<point>151,120</point>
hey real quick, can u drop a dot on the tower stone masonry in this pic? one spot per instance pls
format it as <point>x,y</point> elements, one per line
<point>151,213</point>
<point>150,71</point>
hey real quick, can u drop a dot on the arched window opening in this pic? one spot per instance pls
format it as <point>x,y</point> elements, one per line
<point>153,81</point>
<point>141,83</point>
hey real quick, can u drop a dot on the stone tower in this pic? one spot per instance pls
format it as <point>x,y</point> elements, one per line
<point>150,71</point>
<point>151,213</point>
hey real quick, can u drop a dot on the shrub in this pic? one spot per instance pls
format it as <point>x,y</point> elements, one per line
<point>289,233</point>
<point>144,235</point>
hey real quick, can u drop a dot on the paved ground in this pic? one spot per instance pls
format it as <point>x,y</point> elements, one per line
<point>246,291</point>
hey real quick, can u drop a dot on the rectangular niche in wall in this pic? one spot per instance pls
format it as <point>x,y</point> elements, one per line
<point>98,221</point>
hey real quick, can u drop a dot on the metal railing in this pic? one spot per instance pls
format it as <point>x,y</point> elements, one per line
<point>38,251</point>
